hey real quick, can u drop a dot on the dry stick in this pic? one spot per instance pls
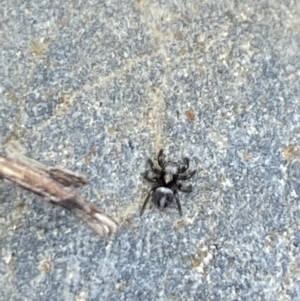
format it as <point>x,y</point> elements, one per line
<point>51,183</point>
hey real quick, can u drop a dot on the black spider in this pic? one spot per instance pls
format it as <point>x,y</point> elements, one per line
<point>166,182</point>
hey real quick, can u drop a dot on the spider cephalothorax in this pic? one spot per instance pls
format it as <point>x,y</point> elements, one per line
<point>166,187</point>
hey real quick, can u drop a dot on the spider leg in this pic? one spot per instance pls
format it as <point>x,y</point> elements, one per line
<point>185,166</point>
<point>187,176</point>
<point>187,189</point>
<point>161,158</point>
<point>147,200</point>
<point>154,169</point>
<point>148,178</point>
<point>178,203</point>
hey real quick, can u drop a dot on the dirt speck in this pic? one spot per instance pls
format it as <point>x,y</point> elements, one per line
<point>190,115</point>
<point>45,266</point>
<point>290,152</point>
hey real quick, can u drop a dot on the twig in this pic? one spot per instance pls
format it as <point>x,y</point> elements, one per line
<point>52,182</point>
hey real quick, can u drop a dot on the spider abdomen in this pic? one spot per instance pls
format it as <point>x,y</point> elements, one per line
<point>163,197</point>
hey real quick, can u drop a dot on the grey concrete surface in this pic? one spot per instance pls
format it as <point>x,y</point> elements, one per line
<point>99,87</point>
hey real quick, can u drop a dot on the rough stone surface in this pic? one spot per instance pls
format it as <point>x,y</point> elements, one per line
<point>99,87</point>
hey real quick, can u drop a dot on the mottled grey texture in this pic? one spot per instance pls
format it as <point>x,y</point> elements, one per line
<point>100,86</point>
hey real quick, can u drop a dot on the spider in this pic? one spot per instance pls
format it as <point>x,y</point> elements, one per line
<point>166,187</point>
